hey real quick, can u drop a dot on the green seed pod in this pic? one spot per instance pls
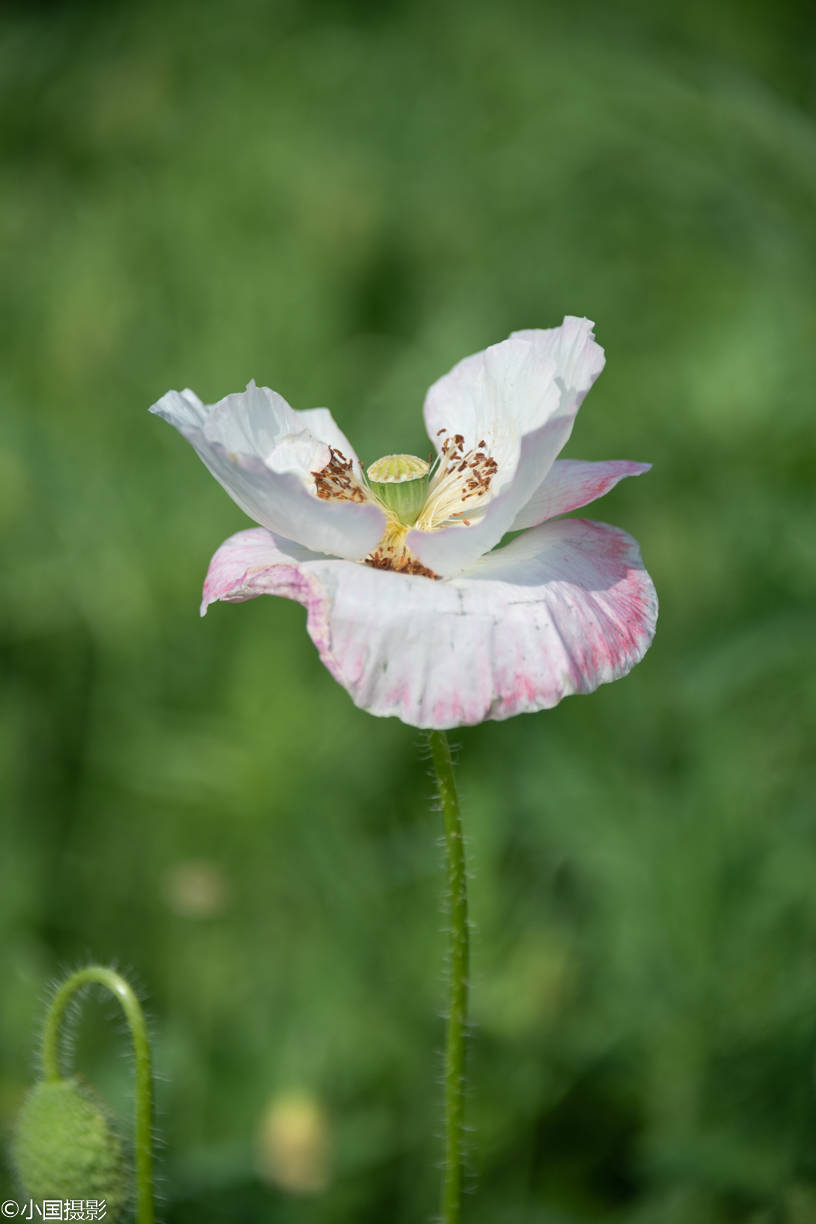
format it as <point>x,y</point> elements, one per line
<point>66,1148</point>
<point>401,483</point>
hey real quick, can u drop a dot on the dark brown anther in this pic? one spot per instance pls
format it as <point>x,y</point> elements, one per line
<point>335,482</point>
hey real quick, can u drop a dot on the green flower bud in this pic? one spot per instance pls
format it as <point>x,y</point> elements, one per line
<point>401,483</point>
<point>66,1148</point>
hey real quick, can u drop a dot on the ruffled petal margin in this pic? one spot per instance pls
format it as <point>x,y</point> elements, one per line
<point>564,608</point>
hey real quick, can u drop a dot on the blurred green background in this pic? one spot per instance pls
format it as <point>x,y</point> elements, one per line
<point>340,201</point>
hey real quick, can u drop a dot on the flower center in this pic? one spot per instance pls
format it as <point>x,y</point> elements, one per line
<point>401,484</point>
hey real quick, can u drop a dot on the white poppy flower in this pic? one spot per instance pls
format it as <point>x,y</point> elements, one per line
<point>413,608</point>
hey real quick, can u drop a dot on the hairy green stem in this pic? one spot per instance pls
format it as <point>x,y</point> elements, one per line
<point>458,968</point>
<point>143,1131</point>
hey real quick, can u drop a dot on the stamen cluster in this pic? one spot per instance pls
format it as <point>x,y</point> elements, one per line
<point>336,481</point>
<point>403,562</point>
<point>481,466</point>
<point>462,476</point>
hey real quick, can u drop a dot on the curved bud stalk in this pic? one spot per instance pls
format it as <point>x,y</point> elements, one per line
<point>65,1145</point>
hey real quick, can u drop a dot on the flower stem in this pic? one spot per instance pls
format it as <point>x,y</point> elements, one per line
<point>458,968</point>
<point>143,1134</point>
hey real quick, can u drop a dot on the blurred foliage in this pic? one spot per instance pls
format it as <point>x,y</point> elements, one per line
<point>341,200</point>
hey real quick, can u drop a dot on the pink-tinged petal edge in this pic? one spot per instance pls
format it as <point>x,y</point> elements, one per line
<point>572,483</point>
<point>256,562</point>
<point>564,608</point>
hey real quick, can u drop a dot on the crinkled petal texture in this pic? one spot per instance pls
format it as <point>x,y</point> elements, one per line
<point>519,398</point>
<point>264,454</point>
<point>565,607</point>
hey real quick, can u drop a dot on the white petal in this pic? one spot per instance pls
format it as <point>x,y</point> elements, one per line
<point>572,483</point>
<point>497,395</point>
<point>299,453</point>
<point>520,397</point>
<point>321,423</point>
<point>564,608</point>
<point>572,346</point>
<point>263,453</point>
<point>508,389</point>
